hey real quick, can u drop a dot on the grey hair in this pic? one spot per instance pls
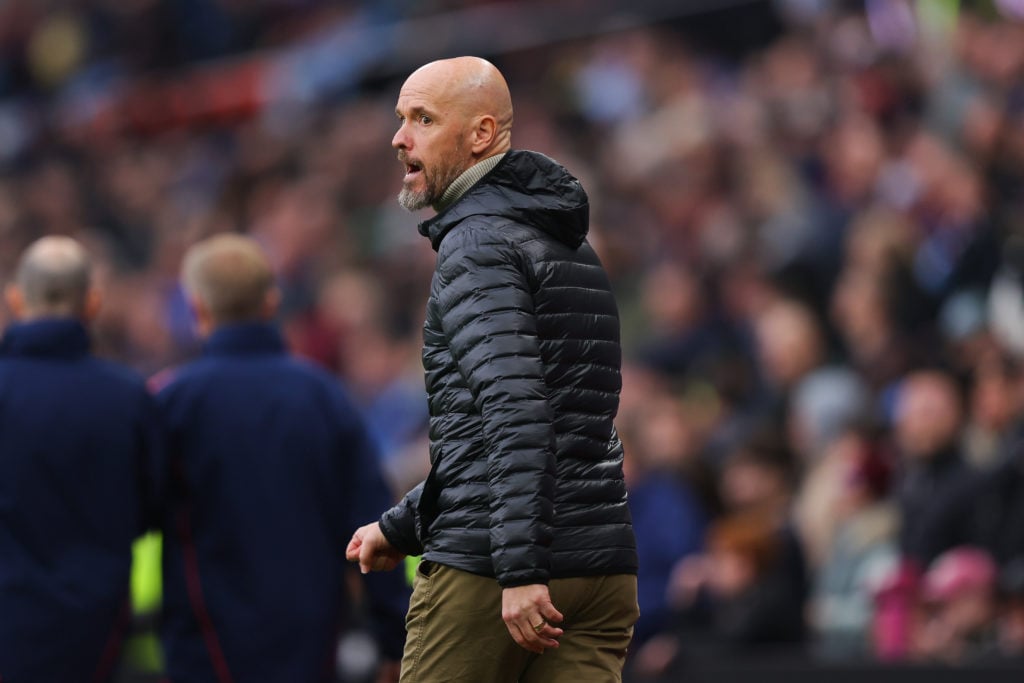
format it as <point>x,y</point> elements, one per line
<point>230,274</point>
<point>54,275</point>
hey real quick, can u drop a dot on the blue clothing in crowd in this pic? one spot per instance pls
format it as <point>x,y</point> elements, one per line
<point>271,472</point>
<point>669,524</point>
<point>79,453</point>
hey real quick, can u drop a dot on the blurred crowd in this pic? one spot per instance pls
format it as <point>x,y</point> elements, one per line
<point>816,238</point>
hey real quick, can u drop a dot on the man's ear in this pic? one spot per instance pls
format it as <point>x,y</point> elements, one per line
<point>204,322</point>
<point>483,133</point>
<point>15,301</point>
<point>93,301</point>
<point>271,302</point>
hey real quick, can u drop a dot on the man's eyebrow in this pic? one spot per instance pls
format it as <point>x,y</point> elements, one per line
<point>413,111</point>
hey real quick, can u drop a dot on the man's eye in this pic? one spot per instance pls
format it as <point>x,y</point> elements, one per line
<point>424,119</point>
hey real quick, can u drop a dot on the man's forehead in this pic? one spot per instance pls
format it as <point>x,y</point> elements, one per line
<point>422,90</point>
<point>435,80</point>
<point>414,105</point>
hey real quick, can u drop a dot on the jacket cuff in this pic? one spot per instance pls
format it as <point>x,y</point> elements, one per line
<point>399,527</point>
<point>523,578</point>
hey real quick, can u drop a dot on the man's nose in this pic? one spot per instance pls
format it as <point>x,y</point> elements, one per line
<point>401,139</point>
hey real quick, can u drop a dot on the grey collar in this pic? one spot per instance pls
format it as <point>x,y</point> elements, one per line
<point>467,179</point>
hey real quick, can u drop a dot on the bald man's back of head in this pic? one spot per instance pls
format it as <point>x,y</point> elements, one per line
<point>53,278</point>
<point>230,275</point>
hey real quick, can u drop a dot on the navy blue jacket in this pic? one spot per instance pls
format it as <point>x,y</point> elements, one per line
<point>271,472</point>
<point>78,440</point>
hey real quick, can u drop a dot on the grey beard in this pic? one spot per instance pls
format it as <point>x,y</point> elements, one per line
<point>413,201</point>
<point>432,193</point>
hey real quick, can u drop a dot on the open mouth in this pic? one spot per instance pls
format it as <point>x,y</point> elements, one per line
<point>412,169</point>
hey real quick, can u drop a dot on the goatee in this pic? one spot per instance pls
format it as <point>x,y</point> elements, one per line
<point>435,184</point>
<point>410,200</point>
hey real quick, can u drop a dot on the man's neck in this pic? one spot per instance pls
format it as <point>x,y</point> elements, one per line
<point>467,179</point>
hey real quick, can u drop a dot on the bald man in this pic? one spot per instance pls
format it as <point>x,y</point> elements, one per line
<point>522,523</point>
<point>272,471</point>
<point>79,449</point>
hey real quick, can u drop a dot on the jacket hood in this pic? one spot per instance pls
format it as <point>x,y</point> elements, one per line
<point>526,187</point>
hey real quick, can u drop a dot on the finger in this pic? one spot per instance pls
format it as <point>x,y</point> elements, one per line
<point>550,614</point>
<point>384,563</point>
<point>527,639</point>
<point>352,551</point>
<point>548,634</point>
<point>518,636</point>
<point>545,641</point>
<point>545,636</point>
<point>366,559</point>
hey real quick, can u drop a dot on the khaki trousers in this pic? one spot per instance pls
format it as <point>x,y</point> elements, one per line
<point>456,634</point>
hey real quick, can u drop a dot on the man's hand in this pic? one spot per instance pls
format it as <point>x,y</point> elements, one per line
<point>373,552</point>
<point>528,615</point>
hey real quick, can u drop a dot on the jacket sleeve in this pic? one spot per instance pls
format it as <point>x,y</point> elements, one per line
<point>488,318</point>
<point>401,524</point>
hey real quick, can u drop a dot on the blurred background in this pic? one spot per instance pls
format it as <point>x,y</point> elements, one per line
<point>812,212</point>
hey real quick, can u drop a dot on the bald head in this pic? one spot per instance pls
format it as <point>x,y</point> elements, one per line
<point>52,280</point>
<point>228,280</point>
<point>472,87</point>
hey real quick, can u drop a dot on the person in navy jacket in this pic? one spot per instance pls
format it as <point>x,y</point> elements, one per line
<point>271,468</point>
<point>79,449</point>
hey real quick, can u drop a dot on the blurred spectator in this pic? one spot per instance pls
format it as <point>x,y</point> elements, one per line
<point>729,599</point>
<point>926,421</point>
<point>748,606</point>
<point>668,518</point>
<point>758,479</point>
<point>663,435</point>
<point>897,612</point>
<point>862,552</point>
<point>825,403</point>
<point>959,622</point>
<point>366,340</point>
<point>984,509</point>
<point>1005,307</point>
<point>1011,609</point>
<point>876,305</point>
<point>683,334</point>
<point>996,399</point>
<point>790,345</point>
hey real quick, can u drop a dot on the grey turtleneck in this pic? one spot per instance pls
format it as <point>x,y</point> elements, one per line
<point>466,180</point>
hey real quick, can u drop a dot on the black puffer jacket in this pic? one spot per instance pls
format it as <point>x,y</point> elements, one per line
<point>522,359</point>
